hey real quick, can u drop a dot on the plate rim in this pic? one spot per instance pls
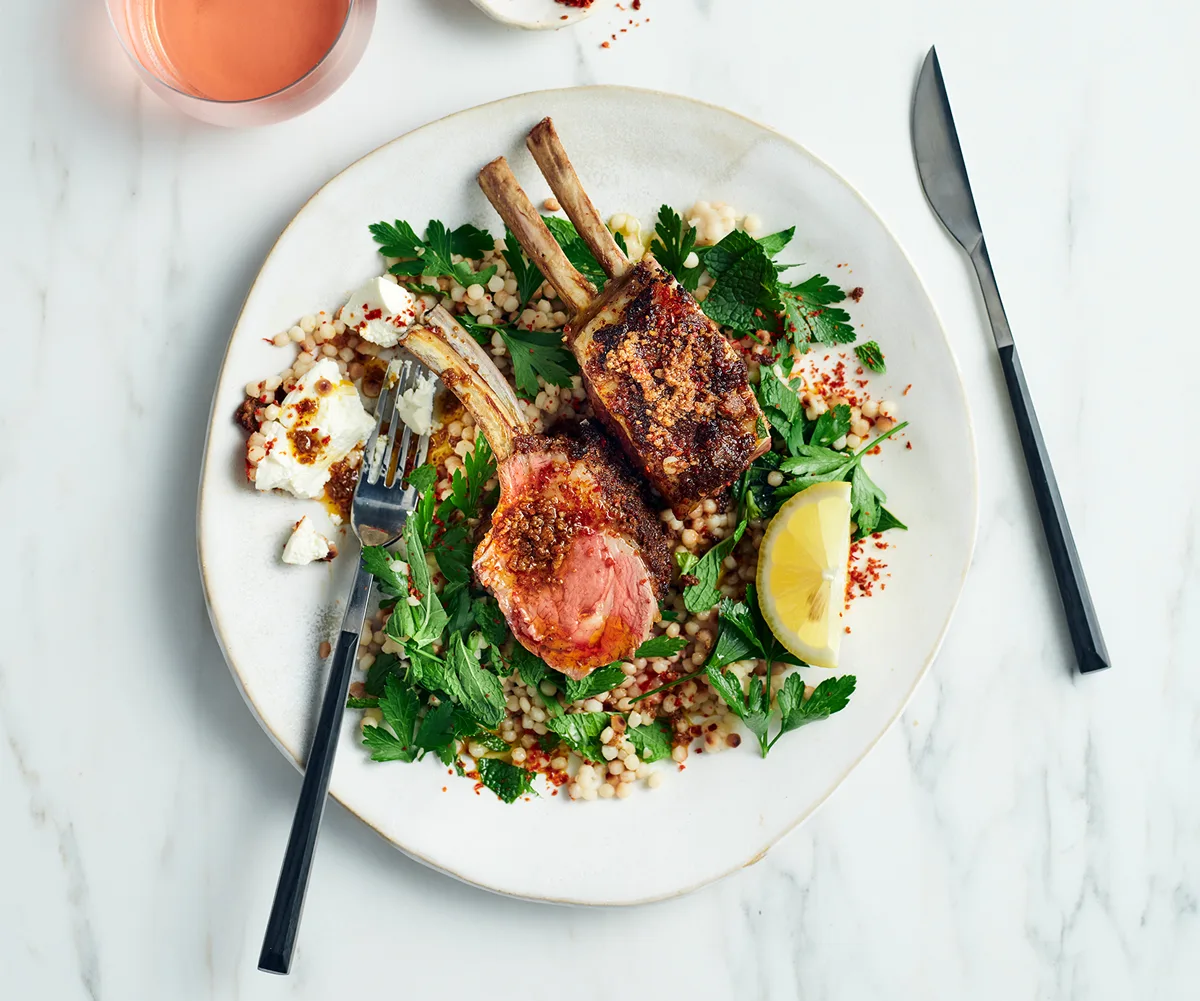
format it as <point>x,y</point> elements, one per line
<point>813,807</point>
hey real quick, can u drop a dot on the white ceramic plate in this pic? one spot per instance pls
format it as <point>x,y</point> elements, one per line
<point>635,150</point>
<point>534,14</point>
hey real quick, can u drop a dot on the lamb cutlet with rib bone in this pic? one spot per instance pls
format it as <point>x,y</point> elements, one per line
<point>661,376</point>
<point>574,556</point>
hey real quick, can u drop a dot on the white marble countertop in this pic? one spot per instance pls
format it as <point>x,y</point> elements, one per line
<point>1020,833</point>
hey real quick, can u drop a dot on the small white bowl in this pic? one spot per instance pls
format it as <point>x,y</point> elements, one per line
<point>536,15</point>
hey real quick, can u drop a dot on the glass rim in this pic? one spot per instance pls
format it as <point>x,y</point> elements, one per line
<point>240,102</point>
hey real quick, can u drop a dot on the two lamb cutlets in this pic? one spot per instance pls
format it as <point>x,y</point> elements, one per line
<point>664,380</point>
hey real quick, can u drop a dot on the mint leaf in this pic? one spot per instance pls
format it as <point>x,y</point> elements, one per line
<point>703,594</point>
<point>661,646</point>
<point>674,240</point>
<point>530,666</point>
<point>718,259</point>
<point>384,666</point>
<point>422,623</point>
<point>426,669</point>
<point>507,781</point>
<point>479,691</point>
<point>492,741</point>
<point>581,732</point>
<point>871,356</point>
<point>399,705</point>
<point>461,610</point>
<point>652,741</point>
<point>775,242</point>
<point>603,679</point>
<point>363,703</point>
<point>744,294</point>
<point>377,561</point>
<point>528,278</point>
<point>538,352</point>
<point>490,620</point>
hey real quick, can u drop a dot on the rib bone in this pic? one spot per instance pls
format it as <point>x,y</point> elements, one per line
<point>538,242</point>
<point>466,370</point>
<point>552,160</point>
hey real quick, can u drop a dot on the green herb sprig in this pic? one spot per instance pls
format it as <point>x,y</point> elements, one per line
<point>434,254</point>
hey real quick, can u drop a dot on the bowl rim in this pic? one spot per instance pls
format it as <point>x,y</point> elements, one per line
<point>772,841</point>
<point>570,16</point>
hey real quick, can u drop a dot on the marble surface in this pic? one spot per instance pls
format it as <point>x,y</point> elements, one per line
<point>1020,833</point>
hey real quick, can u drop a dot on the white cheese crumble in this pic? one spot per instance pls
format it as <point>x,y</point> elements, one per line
<point>380,312</point>
<point>306,545</point>
<point>415,407</point>
<point>320,422</point>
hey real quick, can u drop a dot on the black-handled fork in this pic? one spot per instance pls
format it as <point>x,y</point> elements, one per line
<point>377,515</point>
<point>944,178</point>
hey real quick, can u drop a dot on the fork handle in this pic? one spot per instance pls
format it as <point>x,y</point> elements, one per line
<point>1082,623</point>
<point>280,937</point>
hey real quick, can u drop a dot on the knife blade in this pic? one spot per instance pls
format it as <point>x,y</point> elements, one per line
<point>943,175</point>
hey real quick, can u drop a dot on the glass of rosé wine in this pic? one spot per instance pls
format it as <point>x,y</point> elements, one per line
<point>243,62</point>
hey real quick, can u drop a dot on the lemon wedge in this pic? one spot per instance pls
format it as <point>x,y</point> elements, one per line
<point>802,572</point>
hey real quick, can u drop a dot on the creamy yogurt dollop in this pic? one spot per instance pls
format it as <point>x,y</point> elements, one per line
<point>320,422</point>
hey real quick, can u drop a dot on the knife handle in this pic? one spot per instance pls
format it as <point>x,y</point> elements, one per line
<point>1090,651</point>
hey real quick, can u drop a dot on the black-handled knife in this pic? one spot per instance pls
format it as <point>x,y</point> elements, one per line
<point>944,178</point>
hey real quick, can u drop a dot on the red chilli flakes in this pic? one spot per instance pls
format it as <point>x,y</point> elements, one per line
<point>866,570</point>
<point>636,6</point>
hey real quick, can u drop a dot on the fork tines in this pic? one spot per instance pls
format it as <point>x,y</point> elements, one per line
<point>403,450</point>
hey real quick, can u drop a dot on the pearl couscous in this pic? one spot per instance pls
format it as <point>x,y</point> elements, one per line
<point>665,691</point>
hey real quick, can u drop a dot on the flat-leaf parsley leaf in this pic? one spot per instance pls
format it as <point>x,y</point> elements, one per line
<point>538,352</point>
